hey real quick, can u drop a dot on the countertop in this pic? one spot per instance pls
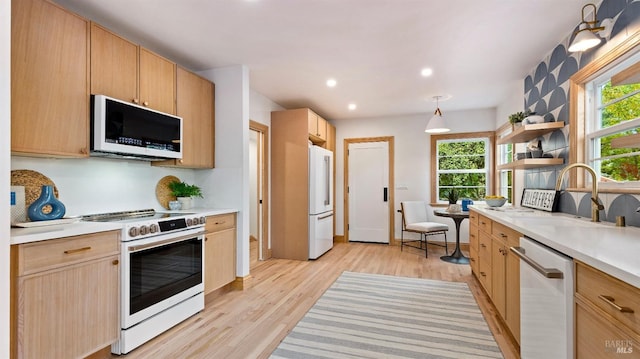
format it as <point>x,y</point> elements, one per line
<point>33,234</point>
<point>613,250</point>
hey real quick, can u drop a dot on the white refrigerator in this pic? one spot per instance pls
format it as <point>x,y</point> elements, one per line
<point>320,201</point>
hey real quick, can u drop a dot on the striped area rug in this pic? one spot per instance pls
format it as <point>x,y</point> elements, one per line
<point>378,316</point>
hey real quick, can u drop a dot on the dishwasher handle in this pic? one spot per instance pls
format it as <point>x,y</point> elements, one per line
<point>547,272</point>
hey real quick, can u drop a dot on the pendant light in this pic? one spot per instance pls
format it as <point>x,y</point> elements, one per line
<point>437,123</point>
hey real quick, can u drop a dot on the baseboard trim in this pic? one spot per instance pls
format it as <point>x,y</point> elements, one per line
<point>339,239</point>
<point>242,283</point>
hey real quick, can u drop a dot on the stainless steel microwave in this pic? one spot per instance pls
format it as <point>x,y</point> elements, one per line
<point>122,129</point>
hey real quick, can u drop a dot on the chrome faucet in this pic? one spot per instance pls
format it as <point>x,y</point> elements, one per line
<point>595,206</point>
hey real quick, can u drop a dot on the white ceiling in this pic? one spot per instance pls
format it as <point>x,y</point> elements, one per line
<point>375,49</point>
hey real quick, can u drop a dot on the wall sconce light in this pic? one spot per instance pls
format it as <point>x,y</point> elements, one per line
<point>586,35</point>
<point>437,124</point>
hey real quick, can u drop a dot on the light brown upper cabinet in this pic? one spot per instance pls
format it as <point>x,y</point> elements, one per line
<point>126,71</point>
<point>195,104</point>
<point>317,128</point>
<point>49,80</point>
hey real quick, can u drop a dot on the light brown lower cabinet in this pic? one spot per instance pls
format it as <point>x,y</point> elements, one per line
<point>607,316</point>
<point>219,251</point>
<point>65,296</point>
<point>497,269</point>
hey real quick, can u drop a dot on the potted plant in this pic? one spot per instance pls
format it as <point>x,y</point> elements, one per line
<point>516,118</point>
<point>184,192</point>
<point>452,197</point>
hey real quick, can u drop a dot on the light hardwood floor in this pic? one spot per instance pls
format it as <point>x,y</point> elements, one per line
<point>251,323</point>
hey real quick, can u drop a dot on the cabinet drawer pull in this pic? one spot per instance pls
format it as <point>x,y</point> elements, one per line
<point>472,259</point>
<point>223,222</point>
<point>503,235</point>
<point>482,222</point>
<point>483,245</point>
<point>611,301</point>
<point>483,274</point>
<point>72,251</point>
<point>115,262</point>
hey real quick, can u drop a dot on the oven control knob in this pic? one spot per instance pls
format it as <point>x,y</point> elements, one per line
<point>133,231</point>
<point>189,222</point>
<point>195,221</point>
<point>144,230</point>
<point>153,228</point>
<point>203,220</point>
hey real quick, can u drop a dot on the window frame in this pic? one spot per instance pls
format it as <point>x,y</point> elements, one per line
<point>490,162</point>
<point>503,131</point>
<point>593,117</point>
<point>578,141</point>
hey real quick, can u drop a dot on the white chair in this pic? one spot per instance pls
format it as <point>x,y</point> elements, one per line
<point>415,219</point>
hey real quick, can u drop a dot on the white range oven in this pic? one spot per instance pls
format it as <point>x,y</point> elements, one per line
<point>162,272</point>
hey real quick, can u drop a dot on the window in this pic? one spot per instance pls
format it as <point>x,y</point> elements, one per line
<point>613,112</point>
<point>504,156</point>
<point>462,162</point>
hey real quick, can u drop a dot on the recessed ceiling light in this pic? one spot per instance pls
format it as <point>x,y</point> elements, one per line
<point>352,106</point>
<point>332,82</point>
<point>426,72</point>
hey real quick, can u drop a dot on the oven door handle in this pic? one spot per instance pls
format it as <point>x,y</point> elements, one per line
<point>141,247</point>
<point>547,272</point>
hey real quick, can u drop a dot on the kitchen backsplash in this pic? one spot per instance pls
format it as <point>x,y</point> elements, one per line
<point>97,185</point>
<point>546,91</point>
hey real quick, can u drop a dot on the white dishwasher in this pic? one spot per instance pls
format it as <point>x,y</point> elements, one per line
<point>546,301</point>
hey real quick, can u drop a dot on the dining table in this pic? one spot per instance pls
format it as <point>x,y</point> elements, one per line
<point>457,256</point>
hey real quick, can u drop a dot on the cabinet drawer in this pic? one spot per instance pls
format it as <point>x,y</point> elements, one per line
<point>484,261</point>
<point>484,223</point>
<point>220,222</point>
<point>484,271</point>
<point>473,217</point>
<point>484,245</point>
<point>473,236</point>
<point>606,292</point>
<point>473,260</point>
<point>597,337</point>
<point>44,255</point>
<point>506,234</point>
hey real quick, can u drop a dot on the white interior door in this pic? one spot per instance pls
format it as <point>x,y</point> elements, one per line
<point>368,191</point>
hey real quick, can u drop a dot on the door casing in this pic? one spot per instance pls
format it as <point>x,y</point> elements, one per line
<point>347,142</point>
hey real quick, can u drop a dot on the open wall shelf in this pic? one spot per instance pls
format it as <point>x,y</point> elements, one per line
<point>531,163</point>
<point>527,133</point>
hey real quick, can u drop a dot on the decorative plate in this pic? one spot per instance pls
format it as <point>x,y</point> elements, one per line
<point>163,193</point>
<point>32,181</point>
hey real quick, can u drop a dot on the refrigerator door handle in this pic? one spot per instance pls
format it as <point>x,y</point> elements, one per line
<point>326,216</point>
<point>385,194</point>
<point>327,164</point>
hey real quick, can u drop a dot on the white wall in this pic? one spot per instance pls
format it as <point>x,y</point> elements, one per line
<point>514,102</point>
<point>5,150</point>
<point>260,108</point>
<point>412,155</point>
<point>227,186</point>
